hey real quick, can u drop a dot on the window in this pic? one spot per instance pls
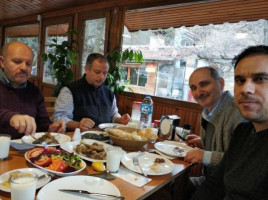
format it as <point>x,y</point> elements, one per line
<point>176,52</point>
<point>57,32</point>
<point>94,37</point>
<point>27,34</point>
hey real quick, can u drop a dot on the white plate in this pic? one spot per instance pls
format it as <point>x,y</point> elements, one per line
<point>109,125</point>
<point>40,183</point>
<point>146,160</point>
<point>94,132</point>
<point>54,172</point>
<point>70,146</point>
<point>168,146</point>
<point>62,138</point>
<point>89,183</point>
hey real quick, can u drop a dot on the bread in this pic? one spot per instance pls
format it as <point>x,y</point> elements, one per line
<point>123,134</point>
<point>147,134</point>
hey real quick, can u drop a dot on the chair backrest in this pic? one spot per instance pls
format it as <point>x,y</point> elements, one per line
<point>50,106</point>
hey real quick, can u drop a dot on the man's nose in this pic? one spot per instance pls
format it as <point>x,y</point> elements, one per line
<point>248,87</point>
<point>23,66</point>
<point>102,76</point>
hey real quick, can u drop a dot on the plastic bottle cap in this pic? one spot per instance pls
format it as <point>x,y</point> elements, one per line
<point>187,126</point>
<point>157,122</point>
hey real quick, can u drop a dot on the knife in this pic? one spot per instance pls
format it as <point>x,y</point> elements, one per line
<point>91,193</point>
<point>104,175</point>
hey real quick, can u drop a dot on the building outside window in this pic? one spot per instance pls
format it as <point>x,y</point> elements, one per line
<point>175,53</point>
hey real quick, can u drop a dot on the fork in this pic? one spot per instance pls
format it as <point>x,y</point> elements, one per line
<point>136,162</point>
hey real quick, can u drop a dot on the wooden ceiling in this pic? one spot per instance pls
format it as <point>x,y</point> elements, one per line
<point>201,13</point>
<point>10,9</point>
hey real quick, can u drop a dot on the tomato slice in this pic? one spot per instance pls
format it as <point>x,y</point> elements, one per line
<point>43,161</point>
<point>57,165</point>
<point>35,152</point>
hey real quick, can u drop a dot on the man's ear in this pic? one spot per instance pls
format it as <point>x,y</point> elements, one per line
<point>1,61</point>
<point>221,81</point>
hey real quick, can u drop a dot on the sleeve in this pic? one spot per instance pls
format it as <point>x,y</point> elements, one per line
<point>42,118</point>
<point>207,157</point>
<point>64,106</point>
<point>114,110</point>
<point>213,187</point>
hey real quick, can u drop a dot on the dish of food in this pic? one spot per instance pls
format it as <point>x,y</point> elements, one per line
<point>87,148</point>
<point>95,135</point>
<point>89,183</point>
<point>58,139</point>
<point>130,133</point>
<point>173,148</point>
<point>109,125</point>
<point>59,162</point>
<point>148,163</point>
<point>5,178</point>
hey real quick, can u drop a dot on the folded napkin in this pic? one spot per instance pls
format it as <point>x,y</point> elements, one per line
<point>19,145</point>
<point>131,177</point>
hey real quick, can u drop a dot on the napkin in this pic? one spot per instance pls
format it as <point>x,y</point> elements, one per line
<point>131,177</point>
<point>19,145</point>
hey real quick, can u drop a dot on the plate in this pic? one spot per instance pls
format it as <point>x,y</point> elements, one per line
<point>89,183</point>
<point>40,183</point>
<point>109,125</point>
<point>146,160</point>
<point>168,146</point>
<point>55,172</point>
<point>62,138</point>
<point>71,145</point>
<point>94,132</point>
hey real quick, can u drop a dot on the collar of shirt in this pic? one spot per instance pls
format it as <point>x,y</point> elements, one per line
<point>207,115</point>
<point>5,80</point>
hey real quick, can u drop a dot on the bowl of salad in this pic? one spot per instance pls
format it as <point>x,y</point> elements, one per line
<point>56,161</point>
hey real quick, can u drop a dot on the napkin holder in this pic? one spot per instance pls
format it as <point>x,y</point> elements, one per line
<point>168,126</point>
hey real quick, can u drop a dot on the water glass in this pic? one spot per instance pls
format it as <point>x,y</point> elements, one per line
<point>4,146</point>
<point>23,186</point>
<point>113,157</point>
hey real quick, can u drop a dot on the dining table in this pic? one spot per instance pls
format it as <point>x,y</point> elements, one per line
<point>16,160</point>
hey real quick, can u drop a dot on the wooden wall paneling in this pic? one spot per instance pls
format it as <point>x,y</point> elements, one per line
<point>188,112</point>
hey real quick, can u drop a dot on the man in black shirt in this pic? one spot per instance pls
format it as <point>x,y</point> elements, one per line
<point>243,171</point>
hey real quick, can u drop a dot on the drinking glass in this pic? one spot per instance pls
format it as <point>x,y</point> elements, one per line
<point>4,146</point>
<point>113,158</point>
<point>23,186</point>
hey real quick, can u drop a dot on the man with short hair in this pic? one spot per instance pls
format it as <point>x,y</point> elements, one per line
<point>86,102</point>
<point>22,107</point>
<point>218,120</point>
<point>243,171</point>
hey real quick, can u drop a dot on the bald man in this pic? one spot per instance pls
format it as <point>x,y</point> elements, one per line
<point>22,107</point>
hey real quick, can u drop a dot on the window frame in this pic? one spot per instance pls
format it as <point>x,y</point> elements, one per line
<point>82,17</point>
<point>49,22</point>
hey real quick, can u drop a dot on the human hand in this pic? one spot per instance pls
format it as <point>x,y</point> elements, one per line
<point>23,123</point>
<point>58,127</point>
<point>194,156</point>
<point>194,141</point>
<point>85,124</point>
<point>124,119</point>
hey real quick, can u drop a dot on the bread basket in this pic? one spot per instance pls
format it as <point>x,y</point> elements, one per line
<point>126,143</point>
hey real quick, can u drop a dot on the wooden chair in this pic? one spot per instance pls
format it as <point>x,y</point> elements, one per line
<point>50,106</point>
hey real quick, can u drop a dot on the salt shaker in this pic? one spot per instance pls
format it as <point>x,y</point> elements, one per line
<point>77,134</point>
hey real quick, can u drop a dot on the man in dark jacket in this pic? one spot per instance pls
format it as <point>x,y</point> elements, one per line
<point>86,102</point>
